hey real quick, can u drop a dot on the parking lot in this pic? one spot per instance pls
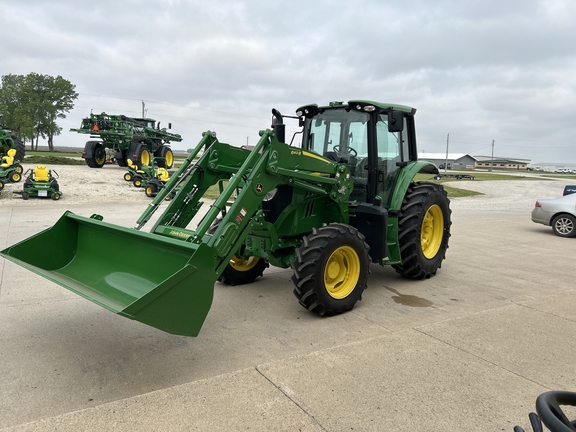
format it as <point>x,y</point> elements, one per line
<point>467,350</point>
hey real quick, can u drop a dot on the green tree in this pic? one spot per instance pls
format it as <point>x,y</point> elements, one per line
<point>33,103</point>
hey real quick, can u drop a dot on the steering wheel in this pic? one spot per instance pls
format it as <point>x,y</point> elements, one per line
<point>349,151</point>
<point>548,408</point>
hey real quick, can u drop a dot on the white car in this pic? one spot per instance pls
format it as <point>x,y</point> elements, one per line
<point>559,213</point>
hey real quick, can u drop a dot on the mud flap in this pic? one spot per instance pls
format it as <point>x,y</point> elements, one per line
<point>159,281</point>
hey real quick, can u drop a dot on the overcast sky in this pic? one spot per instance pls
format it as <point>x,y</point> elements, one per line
<point>477,70</point>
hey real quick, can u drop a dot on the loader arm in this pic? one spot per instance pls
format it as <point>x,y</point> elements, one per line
<point>174,291</point>
<point>251,174</point>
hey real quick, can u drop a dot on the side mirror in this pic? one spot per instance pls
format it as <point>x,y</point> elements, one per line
<point>395,121</point>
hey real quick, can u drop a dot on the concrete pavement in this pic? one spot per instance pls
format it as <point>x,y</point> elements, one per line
<point>467,350</point>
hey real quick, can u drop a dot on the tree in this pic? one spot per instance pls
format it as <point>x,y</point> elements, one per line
<point>33,103</point>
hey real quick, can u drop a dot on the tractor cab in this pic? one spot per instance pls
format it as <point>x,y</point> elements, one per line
<point>375,140</point>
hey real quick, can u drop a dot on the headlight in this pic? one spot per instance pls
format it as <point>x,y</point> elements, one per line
<point>270,195</point>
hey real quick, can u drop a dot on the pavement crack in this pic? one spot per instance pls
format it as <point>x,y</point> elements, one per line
<point>291,399</point>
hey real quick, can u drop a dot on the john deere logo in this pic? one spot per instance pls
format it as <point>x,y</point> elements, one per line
<point>259,187</point>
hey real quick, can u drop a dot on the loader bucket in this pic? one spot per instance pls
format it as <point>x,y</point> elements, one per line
<point>159,281</point>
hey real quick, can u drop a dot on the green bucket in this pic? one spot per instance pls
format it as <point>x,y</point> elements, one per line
<point>159,281</point>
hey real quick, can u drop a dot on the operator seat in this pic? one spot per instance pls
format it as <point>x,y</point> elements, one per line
<point>8,160</point>
<point>162,175</point>
<point>41,174</point>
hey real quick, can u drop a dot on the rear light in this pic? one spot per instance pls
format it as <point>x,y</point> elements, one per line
<point>537,204</point>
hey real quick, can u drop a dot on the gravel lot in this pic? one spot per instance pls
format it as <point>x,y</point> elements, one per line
<point>81,185</point>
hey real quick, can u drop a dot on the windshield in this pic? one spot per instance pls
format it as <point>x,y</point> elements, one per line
<point>339,131</point>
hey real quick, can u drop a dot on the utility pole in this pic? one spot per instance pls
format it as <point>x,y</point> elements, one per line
<point>492,161</point>
<point>143,109</point>
<point>447,144</point>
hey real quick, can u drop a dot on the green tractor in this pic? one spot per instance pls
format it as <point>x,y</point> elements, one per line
<point>329,208</point>
<point>9,140</point>
<point>135,139</point>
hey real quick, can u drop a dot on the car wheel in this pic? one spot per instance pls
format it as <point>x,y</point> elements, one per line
<point>564,225</point>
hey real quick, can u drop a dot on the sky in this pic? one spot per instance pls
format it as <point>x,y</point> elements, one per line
<point>476,71</point>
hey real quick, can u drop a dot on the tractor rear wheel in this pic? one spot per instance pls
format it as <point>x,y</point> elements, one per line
<point>137,181</point>
<point>331,269</point>
<point>423,230</point>
<point>166,153</point>
<point>98,157</point>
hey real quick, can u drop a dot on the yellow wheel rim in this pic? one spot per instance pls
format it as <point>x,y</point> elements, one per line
<point>16,176</point>
<point>432,231</point>
<point>169,159</point>
<point>145,157</point>
<point>19,169</point>
<point>137,183</point>
<point>243,265</point>
<point>127,177</point>
<point>100,159</point>
<point>149,190</point>
<point>342,272</point>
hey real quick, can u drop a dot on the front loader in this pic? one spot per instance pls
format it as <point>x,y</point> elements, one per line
<point>343,199</point>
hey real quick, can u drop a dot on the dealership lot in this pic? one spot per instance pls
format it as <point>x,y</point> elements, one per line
<point>469,349</point>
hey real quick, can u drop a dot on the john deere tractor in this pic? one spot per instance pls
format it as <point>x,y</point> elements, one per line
<point>342,200</point>
<point>8,141</point>
<point>137,139</point>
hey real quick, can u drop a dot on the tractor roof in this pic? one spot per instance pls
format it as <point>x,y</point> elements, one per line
<point>359,105</point>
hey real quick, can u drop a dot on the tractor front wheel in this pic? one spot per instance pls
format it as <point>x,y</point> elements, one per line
<point>331,269</point>
<point>243,271</point>
<point>240,271</point>
<point>128,176</point>
<point>423,230</point>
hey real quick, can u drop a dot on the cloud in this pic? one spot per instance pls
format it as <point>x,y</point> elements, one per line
<point>481,69</point>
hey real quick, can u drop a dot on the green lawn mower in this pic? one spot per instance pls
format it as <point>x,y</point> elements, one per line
<point>10,168</point>
<point>40,182</point>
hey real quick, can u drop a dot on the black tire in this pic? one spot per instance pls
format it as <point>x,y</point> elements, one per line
<point>166,153</point>
<point>240,271</point>
<point>151,190</point>
<point>128,176</point>
<point>331,269</point>
<point>98,158</point>
<point>121,158</point>
<point>25,195</point>
<point>20,148</point>
<point>55,196</point>
<point>54,185</point>
<point>137,181</point>
<point>423,230</point>
<point>1,185</point>
<point>564,225</point>
<point>14,176</point>
<point>19,168</point>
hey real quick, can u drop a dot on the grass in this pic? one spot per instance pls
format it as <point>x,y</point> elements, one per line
<point>52,160</point>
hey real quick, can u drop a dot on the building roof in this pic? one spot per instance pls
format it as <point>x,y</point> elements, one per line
<point>441,156</point>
